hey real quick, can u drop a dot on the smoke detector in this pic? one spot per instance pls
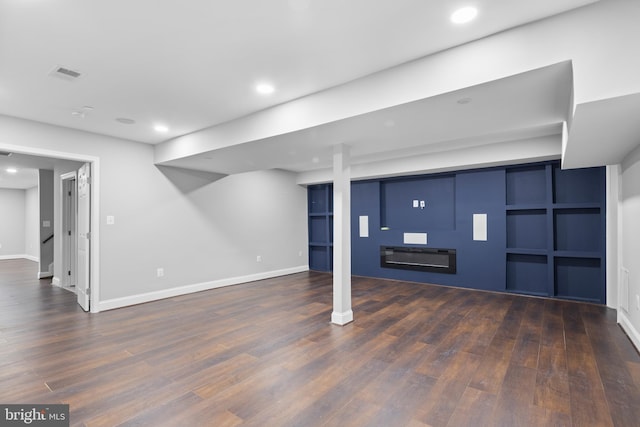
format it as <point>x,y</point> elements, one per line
<point>65,73</point>
<point>82,112</point>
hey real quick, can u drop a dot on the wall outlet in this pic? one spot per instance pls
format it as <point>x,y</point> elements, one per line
<point>259,258</point>
<point>160,272</point>
<point>111,220</point>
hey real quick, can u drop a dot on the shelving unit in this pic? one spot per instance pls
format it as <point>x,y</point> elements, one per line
<point>555,232</point>
<point>320,208</point>
<point>547,228</point>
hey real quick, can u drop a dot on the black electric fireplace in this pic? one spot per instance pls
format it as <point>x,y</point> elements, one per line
<point>423,259</point>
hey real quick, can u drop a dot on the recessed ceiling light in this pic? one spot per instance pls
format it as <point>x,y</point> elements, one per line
<point>161,128</point>
<point>12,170</point>
<point>265,88</point>
<point>464,15</point>
<point>125,121</point>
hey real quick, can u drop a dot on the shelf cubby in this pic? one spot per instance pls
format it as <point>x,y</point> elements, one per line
<point>320,257</point>
<point>527,273</point>
<point>526,185</point>
<point>578,278</point>
<point>578,185</point>
<point>577,229</point>
<point>526,229</point>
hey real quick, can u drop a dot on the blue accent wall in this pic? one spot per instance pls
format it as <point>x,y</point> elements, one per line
<point>546,228</point>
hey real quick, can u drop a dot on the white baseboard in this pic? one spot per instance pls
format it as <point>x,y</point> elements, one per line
<point>44,275</point>
<point>56,281</point>
<point>20,256</point>
<point>342,318</point>
<point>198,287</point>
<point>632,332</point>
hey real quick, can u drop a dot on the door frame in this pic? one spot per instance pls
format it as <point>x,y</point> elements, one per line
<point>69,210</point>
<point>94,254</point>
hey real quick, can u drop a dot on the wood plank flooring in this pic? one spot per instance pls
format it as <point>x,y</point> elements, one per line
<point>265,354</point>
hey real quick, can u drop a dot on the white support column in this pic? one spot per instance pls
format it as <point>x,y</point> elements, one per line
<point>342,313</point>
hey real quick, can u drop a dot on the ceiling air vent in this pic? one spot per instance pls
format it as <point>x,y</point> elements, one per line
<point>65,73</point>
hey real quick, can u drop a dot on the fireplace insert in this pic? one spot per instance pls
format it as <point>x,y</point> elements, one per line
<point>423,259</point>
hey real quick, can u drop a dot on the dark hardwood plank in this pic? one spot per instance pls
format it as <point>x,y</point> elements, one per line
<point>527,345</point>
<point>474,409</point>
<point>552,381</point>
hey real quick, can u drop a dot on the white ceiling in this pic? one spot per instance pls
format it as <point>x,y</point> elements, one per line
<point>527,105</point>
<point>603,132</point>
<point>27,170</point>
<point>191,65</point>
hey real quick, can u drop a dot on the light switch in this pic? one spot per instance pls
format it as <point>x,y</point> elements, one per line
<point>422,204</point>
<point>111,220</point>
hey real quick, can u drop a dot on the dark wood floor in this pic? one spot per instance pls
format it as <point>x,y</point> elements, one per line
<point>265,354</point>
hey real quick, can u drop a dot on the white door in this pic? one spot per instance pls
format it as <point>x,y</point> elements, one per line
<point>84,235</point>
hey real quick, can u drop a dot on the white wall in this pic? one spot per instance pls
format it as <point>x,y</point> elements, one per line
<point>31,224</point>
<point>198,229</point>
<point>12,223</point>
<point>630,242</point>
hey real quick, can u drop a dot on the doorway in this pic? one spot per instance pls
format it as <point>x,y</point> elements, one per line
<point>87,275</point>
<point>69,197</point>
<point>75,199</point>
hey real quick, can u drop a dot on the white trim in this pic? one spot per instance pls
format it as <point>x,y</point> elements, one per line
<point>197,287</point>
<point>627,326</point>
<point>94,261</point>
<point>95,206</point>
<point>68,175</point>
<point>342,318</point>
<point>612,285</point>
<point>56,281</point>
<point>19,256</point>
<point>44,275</point>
